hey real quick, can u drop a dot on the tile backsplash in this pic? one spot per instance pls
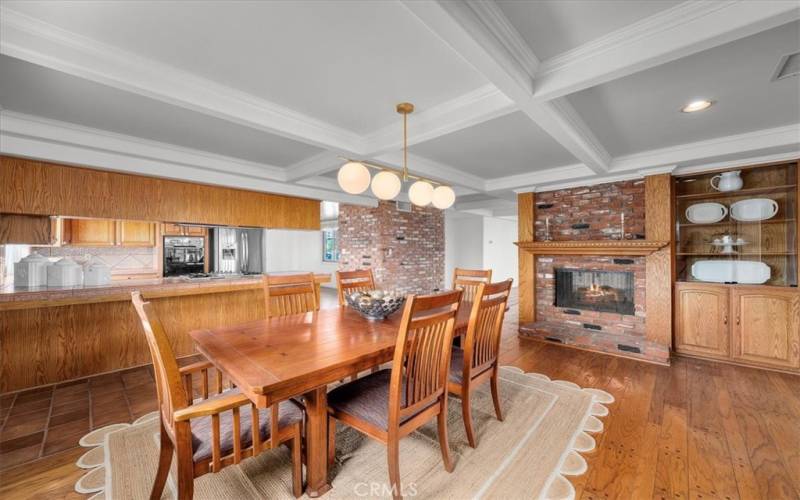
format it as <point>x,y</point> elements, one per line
<point>122,260</point>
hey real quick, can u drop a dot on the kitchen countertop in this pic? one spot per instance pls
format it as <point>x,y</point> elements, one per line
<point>24,298</point>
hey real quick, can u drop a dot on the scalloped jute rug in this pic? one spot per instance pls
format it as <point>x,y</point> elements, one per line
<point>546,427</point>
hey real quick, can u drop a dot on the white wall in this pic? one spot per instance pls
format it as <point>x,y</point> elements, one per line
<point>477,242</point>
<point>289,250</point>
<point>499,251</point>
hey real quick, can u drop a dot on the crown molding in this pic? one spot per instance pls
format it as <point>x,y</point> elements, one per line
<point>480,105</point>
<point>490,14</point>
<point>35,41</point>
<point>50,140</point>
<point>743,162</point>
<point>788,135</point>
<point>524,182</point>
<point>313,166</point>
<point>677,32</point>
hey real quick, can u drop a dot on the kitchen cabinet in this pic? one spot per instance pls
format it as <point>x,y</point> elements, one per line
<point>107,233</point>
<point>28,229</point>
<point>701,323</point>
<point>89,232</point>
<point>178,230</point>
<point>136,234</point>
<point>755,325</point>
<point>766,329</point>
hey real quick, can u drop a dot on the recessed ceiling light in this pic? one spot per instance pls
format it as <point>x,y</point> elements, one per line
<point>696,106</point>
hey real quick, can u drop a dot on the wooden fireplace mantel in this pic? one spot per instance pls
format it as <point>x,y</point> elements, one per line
<point>592,247</point>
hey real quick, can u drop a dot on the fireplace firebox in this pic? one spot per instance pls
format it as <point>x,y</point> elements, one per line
<point>602,291</point>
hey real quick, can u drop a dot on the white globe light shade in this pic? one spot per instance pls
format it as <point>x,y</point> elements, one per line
<point>420,193</point>
<point>353,177</point>
<point>386,185</point>
<point>443,197</point>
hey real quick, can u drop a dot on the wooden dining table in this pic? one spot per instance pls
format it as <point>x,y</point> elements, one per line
<point>279,358</point>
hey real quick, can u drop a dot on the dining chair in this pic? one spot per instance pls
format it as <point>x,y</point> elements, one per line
<point>290,294</point>
<point>354,281</point>
<point>477,362</point>
<point>210,434</point>
<point>468,280</point>
<point>392,403</point>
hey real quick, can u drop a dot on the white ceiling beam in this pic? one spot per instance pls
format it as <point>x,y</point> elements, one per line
<point>750,147</point>
<point>480,33</point>
<point>434,170</point>
<point>472,108</point>
<point>313,166</point>
<point>50,140</point>
<point>35,41</point>
<point>685,29</point>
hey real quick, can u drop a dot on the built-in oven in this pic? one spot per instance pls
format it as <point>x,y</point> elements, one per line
<point>184,255</point>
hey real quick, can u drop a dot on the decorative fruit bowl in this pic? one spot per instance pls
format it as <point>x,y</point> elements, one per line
<point>375,305</point>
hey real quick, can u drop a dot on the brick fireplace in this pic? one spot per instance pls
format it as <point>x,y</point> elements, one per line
<point>586,285</point>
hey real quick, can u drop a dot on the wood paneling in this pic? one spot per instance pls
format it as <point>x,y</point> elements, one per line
<point>766,329</point>
<point>660,265</point>
<point>527,261</point>
<point>41,188</point>
<point>27,229</point>
<point>701,319</point>
<point>597,247</point>
<point>52,344</point>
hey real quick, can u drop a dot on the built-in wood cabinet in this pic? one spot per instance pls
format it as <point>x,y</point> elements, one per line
<point>108,233</point>
<point>701,320</point>
<point>28,229</point>
<point>766,326</point>
<point>168,229</point>
<point>749,324</point>
<point>136,234</point>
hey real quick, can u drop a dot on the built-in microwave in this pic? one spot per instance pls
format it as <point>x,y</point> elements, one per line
<point>184,255</point>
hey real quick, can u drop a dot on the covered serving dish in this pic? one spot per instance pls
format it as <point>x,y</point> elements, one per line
<point>375,304</point>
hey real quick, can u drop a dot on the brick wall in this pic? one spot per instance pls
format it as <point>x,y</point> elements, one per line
<point>404,249</point>
<point>612,323</point>
<point>592,212</point>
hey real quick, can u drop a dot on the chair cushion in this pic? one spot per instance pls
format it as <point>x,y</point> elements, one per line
<point>367,398</point>
<point>289,413</point>
<point>457,366</point>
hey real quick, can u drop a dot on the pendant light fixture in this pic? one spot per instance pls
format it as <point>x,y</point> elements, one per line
<point>354,177</point>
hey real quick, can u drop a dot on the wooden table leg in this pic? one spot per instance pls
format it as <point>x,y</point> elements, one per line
<point>317,442</point>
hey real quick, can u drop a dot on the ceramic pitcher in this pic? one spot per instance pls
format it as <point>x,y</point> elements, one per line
<point>727,181</point>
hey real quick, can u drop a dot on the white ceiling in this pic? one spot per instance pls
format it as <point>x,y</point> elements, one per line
<point>343,62</point>
<point>34,90</point>
<point>642,111</point>
<point>511,144</point>
<point>510,95</point>
<point>552,27</point>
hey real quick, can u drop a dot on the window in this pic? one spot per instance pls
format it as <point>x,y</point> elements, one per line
<point>330,245</point>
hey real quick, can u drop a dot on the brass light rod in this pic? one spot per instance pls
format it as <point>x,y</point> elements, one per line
<point>404,175</point>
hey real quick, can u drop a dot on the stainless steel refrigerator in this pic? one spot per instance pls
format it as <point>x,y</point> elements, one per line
<point>237,251</point>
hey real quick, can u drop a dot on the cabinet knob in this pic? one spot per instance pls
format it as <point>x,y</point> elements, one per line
<point>725,320</point>
<point>737,320</point>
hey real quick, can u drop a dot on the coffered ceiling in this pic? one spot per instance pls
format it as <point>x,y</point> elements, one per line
<point>510,95</point>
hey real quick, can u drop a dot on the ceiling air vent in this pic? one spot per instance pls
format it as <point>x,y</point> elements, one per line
<point>403,206</point>
<point>788,66</point>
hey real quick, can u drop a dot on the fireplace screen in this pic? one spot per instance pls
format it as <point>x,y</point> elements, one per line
<point>608,291</point>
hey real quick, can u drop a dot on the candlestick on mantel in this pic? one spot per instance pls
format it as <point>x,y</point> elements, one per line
<point>547,236</point>
<point>622,226</point>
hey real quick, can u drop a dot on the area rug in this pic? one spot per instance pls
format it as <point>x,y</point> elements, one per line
<point>546,427</point>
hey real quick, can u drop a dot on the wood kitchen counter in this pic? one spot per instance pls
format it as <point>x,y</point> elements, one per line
<point>51,335</point>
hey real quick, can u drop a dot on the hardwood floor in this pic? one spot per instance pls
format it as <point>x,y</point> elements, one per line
<point>695,430</point>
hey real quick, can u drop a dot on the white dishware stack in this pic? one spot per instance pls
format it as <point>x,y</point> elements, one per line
<point>96,272</point>
<point>65,273</point>
<point>31,271</point>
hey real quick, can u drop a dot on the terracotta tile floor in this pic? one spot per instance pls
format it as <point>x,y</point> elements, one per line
<point>41,422</point>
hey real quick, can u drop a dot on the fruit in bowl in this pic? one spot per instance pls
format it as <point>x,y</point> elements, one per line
<point>375,304</point>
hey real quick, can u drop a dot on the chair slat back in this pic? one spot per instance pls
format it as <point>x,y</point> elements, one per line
<point>482,341</point>
<point>348,282</point>
<point>422,353</point>
<point>169,388</point>
<point>468,280</point>
<point>290,294</point>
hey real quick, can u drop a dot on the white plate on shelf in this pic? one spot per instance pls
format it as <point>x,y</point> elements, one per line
<point>730,271</point>
<point>706,213</point>
<point>754,209</point>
